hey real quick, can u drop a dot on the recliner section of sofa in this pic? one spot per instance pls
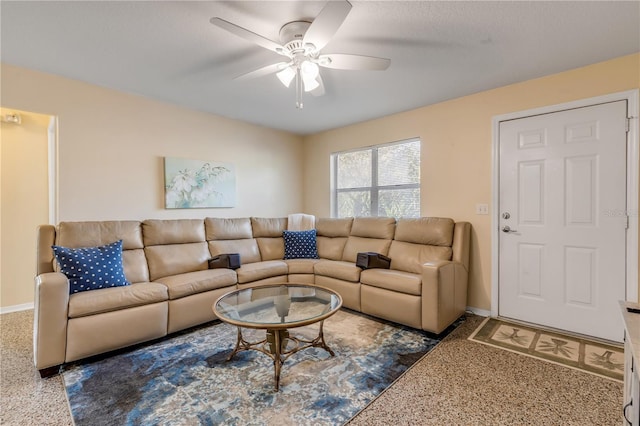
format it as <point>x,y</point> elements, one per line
<point>177,255</point>
<point>172,288</point>
<point>70,327</point>
<point>364,234</point>
<point>237,236</point>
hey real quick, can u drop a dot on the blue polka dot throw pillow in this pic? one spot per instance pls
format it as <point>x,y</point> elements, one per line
<point>300,244</point>
<point>91,268</point>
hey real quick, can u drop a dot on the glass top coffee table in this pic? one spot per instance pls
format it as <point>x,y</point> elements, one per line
<point>276,309</point>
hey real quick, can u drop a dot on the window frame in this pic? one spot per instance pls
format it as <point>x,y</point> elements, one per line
<point>374,189</point>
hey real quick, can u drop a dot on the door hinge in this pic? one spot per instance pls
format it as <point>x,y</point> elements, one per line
<point>626,224</point>
<point>627,125</point>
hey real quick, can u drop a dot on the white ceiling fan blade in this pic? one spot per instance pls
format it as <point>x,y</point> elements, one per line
<point>269,69</point>
<point>318,91</point>
<point>342,61</point>
<point>327,23</point>
<point>248,35</point>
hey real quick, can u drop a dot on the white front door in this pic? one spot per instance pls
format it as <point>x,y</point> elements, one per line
<point>562,243</point>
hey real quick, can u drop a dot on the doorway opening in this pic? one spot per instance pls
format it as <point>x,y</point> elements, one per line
<point>28,198</point>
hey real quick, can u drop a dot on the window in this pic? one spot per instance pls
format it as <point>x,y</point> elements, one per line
<point>383,180</point>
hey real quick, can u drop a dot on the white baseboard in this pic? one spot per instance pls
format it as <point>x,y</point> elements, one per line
<point>16,308</point>
<point>479,312</point>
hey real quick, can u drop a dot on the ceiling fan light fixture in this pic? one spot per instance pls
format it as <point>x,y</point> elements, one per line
<point>310,84</point>
<point>286,76</point>
<point>309,70</point>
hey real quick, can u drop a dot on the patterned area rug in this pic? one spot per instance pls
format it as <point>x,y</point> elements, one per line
<point>593,357</point>
<point>186,380</point>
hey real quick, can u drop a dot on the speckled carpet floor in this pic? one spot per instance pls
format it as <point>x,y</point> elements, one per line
<point>574,352</point>
<point>459,382</point>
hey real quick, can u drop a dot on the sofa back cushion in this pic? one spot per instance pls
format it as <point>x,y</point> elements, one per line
<point>334,227</point>
<point>409,257</point>
<point>247,249</point>
<point>172,231</point>
<point>268,227</point>
<point>369,234</point>
<point>331,236</point>
<point>218,228</point>
<point>232,235</point>
<point>357,245</point>
<point>434,231</point>
<point>268,235</point>
<point>330,248</point>
<point>421,240</point>
<point>374,227</point>
<point>93,234</point>
<point>174,259</point>
<point>175,246</point>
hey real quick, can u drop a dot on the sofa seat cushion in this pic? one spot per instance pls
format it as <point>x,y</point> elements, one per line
<point>301,266</point>
<point>115,298</point>
<point>346,271</point>
<point>391,279</point>
<point>261,270</point>
<point>182,285</point>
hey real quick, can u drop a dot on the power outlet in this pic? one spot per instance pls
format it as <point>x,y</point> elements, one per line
<point>482,208</point>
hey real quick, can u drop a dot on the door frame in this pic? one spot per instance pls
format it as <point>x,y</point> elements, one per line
<point>633,175</point>
<point>52,133</point>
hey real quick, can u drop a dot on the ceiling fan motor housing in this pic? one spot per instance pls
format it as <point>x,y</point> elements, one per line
<point>291,35</point>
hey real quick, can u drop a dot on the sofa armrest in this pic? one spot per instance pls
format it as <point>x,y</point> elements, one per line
<point>444,294</point>
<point>50,319</point>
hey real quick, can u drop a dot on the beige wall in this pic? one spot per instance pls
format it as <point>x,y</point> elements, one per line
<point>456,164</point>
<point>112,144</point>
<point>110,158</point>
<point>24,192</point>
<point>111,147</point>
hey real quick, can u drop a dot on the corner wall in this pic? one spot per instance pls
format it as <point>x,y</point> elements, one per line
<point>456,163</point>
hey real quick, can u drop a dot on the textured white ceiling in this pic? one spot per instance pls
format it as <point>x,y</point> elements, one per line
<point>439,50</point>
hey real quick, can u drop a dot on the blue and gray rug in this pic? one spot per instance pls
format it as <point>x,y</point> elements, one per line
<point>186,380</point>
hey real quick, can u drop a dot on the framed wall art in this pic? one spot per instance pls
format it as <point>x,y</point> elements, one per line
<point>192,184</point>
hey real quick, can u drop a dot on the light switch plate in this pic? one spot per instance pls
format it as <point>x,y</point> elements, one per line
<point>482,208</point>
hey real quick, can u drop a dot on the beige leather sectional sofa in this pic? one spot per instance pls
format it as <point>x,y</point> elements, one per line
<point>172,288</point>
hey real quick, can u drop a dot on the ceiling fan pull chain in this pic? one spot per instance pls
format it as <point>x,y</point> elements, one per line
<point>299,103</point>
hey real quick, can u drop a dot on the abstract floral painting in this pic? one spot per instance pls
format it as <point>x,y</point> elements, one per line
<point>198,184</point>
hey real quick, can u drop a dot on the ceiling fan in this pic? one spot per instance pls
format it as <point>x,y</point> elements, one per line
<point>301,43</point>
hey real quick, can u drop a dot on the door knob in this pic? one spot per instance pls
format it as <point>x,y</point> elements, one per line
<point>508,229</point>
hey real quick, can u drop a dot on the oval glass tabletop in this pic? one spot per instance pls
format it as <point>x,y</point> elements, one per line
<point>277,306</point>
